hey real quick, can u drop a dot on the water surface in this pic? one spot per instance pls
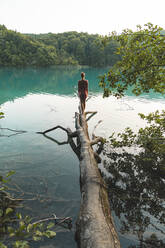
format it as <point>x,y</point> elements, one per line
<point>47,174</point>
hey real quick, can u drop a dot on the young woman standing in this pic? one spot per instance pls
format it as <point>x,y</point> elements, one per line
<point>83,90</point>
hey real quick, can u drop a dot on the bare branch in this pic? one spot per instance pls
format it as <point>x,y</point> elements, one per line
<point>75,148</point>
<point>67,220</point>
<point>93,135</point>
<point>54,128</point>
<point>92,114</point>
<point>70,141</point>
<point>100,142</point>
<point>97,157</point>
<point>56,141</point>
<point>96,140</point>
<point>100,147</point>
<point>13,130</point>
<point>4,135</point>
<point>72,134</point>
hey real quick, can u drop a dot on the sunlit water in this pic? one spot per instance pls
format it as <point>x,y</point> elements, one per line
<point>47,174</point>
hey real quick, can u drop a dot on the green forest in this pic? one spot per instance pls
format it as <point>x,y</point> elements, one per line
<point>68,48</point>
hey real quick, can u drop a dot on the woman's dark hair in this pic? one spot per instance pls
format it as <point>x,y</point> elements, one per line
<point>82,74</point>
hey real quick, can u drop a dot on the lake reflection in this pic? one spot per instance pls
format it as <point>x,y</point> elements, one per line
<point>47,175</point>
<point>137,191</point>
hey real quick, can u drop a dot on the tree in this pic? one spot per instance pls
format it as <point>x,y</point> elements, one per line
<point>94,225</point>
<point>142,63</point>
<point>135,177</point>
<point>68,48</point>
<point>19,50</point>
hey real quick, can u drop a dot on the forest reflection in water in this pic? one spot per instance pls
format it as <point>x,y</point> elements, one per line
<point>136,186</point>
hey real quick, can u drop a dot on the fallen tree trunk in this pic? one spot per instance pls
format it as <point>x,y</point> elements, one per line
<point>94,227</point>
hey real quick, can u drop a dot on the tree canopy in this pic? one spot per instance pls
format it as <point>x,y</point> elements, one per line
<point>142,63</point>
<point>69,48</point>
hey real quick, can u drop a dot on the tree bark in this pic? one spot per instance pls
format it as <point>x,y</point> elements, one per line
<point>94,227</point>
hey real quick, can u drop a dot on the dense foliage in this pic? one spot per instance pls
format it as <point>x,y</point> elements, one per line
<point>16,49</point>
<point>15,230</point>
<point>142,64</point>
<point>80,48</point>
<point>70,48</point>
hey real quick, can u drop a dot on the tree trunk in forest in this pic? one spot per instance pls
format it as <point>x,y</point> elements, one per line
<point>94,227</point>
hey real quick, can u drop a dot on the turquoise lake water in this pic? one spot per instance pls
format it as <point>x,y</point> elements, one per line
<point>47,174</point>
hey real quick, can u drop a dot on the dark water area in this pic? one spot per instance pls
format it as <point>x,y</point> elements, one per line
<point>47,174</point>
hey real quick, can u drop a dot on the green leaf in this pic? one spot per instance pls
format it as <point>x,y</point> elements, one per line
<point>10,173</point>
<point>36,238</point>
<point>21,244</point>
<point>29,227</point>
<point>2,188</point>
<point>50,234</point>
<point>38,233</point>
<point>22,223</point>
<point>12,234</point>
<point>50,225</point>
<point>9,210</point>
<point>2,245</point>
<point>19,216</point>
<point>10,229</point>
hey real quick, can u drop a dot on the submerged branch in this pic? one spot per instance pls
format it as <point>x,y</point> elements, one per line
<point>54,140</point>
<point>11,130</point>
<point>4,135</point>
<point>70,140</point>
<point>67,220</point>
<point>52,129</point>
